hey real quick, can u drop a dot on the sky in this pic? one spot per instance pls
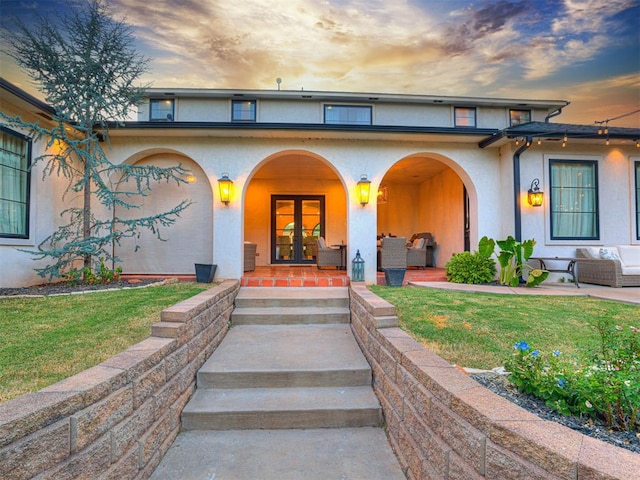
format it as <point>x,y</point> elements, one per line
<point>584,51</point>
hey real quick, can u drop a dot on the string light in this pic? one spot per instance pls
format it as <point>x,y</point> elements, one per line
<point>539,141</point>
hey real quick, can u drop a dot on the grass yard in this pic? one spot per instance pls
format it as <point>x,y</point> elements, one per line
<point>479,330</point>
<point>44,340</point>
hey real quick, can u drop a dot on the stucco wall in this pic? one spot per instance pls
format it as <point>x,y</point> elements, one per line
<point>45,204</point>
<point>117,419</point>
<point>444,425</point>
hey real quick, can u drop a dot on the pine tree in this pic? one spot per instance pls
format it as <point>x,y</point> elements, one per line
<point>86,67</point>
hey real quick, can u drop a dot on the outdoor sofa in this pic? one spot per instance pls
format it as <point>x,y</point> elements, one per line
<point>617,266</point>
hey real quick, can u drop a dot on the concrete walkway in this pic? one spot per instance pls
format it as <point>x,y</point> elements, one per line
<point>286,395</point>
<point>629,295</point>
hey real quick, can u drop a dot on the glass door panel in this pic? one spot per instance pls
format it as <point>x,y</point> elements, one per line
<point>297,221</point>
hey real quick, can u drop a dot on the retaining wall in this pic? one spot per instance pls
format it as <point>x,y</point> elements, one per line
<point>117,419</point>
<point>444,425</point>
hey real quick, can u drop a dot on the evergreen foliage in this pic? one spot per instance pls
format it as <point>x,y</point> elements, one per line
<point>87,69</point>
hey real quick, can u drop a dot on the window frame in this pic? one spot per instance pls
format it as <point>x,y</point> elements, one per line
<point>253,110</point>
<point>153,101</point>
<point>511,120</point>
<point>27,203</point>
<point>474,110</point>
<point>328,106</point>
<point>594,164</point>
<point>636,172</point>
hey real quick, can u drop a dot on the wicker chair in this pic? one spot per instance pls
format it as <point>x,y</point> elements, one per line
<point>422,256</point>
<point>327,256</point>
<point>393,253</point>
<point>250,256</point>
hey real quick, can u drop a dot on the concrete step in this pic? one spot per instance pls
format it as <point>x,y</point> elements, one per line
<point>282,408</point>
<point>318,454</point>
<point>267,297</point>
<point>286,356</point>
<point>289,315</point>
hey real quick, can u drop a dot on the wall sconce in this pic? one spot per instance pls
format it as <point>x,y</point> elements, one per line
<point>364,186</point>
<point>225,183</point>
<point>534,195</point>
<point>383,193</point>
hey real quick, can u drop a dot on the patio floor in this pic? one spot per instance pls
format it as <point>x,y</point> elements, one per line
<point>310,276</point>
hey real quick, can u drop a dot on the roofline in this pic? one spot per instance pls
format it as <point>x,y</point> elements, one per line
<point>351,96</point>
<point>304,126</point>
<point>21,94</point>
<point>563,130</point>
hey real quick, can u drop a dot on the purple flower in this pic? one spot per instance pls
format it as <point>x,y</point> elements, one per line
<point>521,346</point>
<point>562,383</point>
<point>556,353</point>
<point>535,353</point>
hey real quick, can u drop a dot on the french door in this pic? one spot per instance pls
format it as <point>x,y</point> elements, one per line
<point>297,221</point>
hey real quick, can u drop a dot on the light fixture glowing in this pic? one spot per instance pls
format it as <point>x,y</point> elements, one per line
<point>539,141</point>
<point>534,195</point>
<point>364,186</point>
<point>383,193</point>
<point>191,178</point>
<point>225,184</point>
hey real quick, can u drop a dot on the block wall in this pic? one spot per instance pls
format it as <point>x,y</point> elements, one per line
<point>117,419</point>
<point>444,425</point>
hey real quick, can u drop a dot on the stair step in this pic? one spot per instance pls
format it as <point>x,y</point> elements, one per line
<point>292,297</point>
<point>289,315</point>
<point>318,454</point>
<point>282,408</point>
<point>286,356</point>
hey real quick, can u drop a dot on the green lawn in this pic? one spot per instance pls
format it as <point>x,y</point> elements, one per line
<point>44,340</point>
<point>479,330</point>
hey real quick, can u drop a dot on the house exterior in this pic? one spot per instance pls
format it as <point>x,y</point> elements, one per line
<point>457,167</point>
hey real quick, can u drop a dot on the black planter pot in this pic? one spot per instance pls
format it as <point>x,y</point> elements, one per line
<point>205,272</point>
<point>394,276</point>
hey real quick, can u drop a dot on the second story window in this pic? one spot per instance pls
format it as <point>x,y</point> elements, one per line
<point>518,117</point>
<point>243,111</point>
<point>161,110</point>
<point>347,115</point>
<point>14,184</point>
<point>465,117</point>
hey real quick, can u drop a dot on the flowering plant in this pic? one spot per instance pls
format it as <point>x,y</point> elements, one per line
<point>603,383</point>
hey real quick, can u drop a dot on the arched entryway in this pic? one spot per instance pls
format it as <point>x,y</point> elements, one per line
<point>189,240</point>
<point>292,198</point>
<point>428,192</point>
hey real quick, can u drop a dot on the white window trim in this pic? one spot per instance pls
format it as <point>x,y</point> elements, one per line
<point>547,199</point>
<point>633,159</point>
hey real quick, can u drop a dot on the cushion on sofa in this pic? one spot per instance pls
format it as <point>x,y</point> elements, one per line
<point>629,256</point>
<point>591,252</point>
<point>610,253</point>
<point>629,270</point>
<point>418,243</point>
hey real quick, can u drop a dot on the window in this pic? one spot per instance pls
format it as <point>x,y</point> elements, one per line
<point>465,117</point>
<point>637,200</point>
<point>518,117</point>
<point>574,200</point>
<point>161,110</point>
<point>15,160</point>
<point>347,115</point>
<point>243,111</point>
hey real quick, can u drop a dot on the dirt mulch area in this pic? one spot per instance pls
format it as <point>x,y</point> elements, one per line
<point>64,288</point>
<point>591,427</point>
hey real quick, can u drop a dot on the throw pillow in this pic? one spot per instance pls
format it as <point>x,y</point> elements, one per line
<point>607,254</point>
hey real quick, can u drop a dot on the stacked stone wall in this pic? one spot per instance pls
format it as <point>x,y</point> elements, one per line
<point>117,419</point>
<point>444,425</point>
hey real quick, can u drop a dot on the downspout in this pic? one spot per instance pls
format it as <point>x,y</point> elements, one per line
<point>555,113</point>
<point>516,189</point>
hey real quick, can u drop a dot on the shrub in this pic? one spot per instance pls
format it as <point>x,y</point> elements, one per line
<point>604,383</point>
<point>467,267</point>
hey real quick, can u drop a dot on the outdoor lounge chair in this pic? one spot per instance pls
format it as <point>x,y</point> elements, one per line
<point>420,253</point>
<point>393,253</point>
<point>327,256</point>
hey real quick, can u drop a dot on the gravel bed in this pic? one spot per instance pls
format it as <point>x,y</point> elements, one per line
<point>595,428</point>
